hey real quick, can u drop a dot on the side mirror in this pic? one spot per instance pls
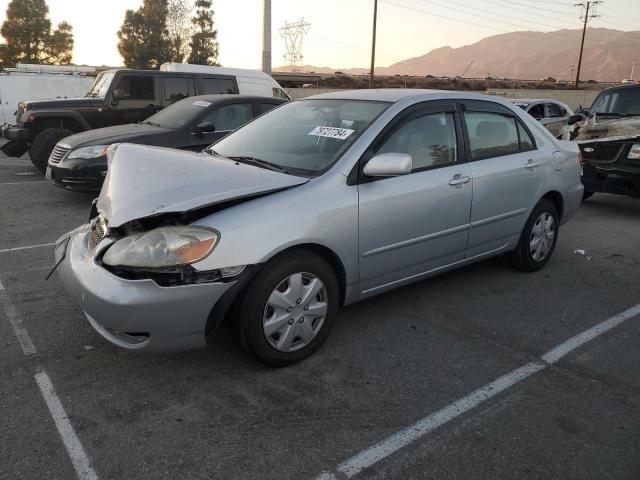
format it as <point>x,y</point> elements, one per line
<point>388,165</point>
<point>116,96</point>
<point>204,127</point>
<point>578,117</point>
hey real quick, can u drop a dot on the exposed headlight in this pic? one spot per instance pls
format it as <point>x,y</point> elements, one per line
<point>163,247</point>
<point>89,152</point>
<point>634,153</point>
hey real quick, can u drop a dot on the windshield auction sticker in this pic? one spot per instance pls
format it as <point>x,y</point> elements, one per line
<point>331,132</point>
<point>200,103</point>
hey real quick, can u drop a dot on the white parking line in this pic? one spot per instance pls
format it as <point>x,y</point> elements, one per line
<point>28,348</point>
<point>71,442</point>
<point>28,247</point>
<point>395,442</point>
<point>20,183</point>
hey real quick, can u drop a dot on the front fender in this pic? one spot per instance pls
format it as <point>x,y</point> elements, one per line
<point>33,117</point>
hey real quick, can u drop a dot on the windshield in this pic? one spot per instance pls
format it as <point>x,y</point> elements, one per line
<point>307,135</point>
<point>101,85</point>
<point>180,114</point>
<point>618,102</point>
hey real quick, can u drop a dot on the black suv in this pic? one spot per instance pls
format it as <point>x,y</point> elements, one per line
<point>608,134</point>
<point>116,97</point>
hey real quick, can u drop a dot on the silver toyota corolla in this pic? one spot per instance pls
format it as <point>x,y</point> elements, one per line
<point>317,204</point>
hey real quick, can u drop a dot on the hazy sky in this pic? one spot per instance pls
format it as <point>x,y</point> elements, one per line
<point>341,29</point>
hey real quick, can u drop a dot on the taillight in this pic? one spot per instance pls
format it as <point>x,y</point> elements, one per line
<point>580,158</point>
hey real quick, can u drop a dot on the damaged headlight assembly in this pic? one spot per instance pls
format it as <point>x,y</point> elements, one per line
<point>634,153</point>
<point>162,247</point>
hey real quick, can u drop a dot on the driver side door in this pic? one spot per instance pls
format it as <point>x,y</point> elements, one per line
<point>412,224</point>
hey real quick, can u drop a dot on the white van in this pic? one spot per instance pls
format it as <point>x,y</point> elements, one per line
<point>39,82</point>
<point>250,82</point>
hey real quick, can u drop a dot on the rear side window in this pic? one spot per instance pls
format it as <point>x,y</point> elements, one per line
<point>263,107</point>
<point>136,88</point>
<point>279,93</point>
<point>526,142</point>
<point>230,117</point>
<point>429,139</point>
<point>177,88</point>
<point>212,86</point>
<point>491,134</point>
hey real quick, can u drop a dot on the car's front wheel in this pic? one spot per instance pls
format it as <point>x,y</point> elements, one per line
<point>288,309</point>
<point>538,239</point>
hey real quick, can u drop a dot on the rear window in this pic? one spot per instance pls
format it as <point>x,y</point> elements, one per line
<point>211,86</point>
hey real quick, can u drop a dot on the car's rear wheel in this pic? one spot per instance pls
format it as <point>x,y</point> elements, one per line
<point>538,238</point>
<point>286,312</point>
<point>42,146</point>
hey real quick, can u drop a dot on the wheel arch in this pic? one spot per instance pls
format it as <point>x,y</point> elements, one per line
<point>557,199</point>
<point>44,120</point>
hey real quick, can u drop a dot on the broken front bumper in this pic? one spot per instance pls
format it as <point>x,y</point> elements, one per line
<point>135,314</point>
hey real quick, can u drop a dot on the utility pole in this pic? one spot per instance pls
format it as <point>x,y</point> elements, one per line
<point>586,16</point>
<point>266,38</point>
<point>633,67</point>
<point>373,42</point>
<point>573,67</point>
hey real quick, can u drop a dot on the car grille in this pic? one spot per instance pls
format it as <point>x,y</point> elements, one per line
<point>59,151</point>
<point>603,152</point>
<point>98,231</point>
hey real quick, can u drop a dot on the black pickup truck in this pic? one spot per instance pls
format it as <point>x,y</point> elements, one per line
<point>116,97</point>
<point>608,134</point>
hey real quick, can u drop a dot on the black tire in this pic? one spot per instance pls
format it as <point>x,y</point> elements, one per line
<point>522,257</point>
<point>42,146</point>
<point>586,194</point>
<point>252,304</point>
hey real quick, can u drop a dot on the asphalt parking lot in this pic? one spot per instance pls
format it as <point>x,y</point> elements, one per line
<point>71,405</point>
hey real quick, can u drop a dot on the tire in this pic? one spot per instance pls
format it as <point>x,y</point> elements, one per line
<point>527,257</point>
<point>259,302</point>
<point>586,194</point>
<point>42,146</point>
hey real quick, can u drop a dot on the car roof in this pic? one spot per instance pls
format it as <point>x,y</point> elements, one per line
<point>218,97</point>
<point>534,100</point>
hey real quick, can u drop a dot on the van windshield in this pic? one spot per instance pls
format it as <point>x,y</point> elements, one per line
<point>101,85</point>
<point>306,136</point>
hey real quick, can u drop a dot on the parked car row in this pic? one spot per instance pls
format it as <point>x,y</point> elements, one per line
<point>121,97</point>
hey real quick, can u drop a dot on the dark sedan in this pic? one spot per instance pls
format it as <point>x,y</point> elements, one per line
<point>79,162</point>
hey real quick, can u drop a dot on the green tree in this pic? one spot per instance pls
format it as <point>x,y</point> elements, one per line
<point>143,36</point>
<point>28,36</point>
<point>204,46</point>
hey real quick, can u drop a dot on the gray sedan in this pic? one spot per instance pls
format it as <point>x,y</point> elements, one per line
<point>553,114</point>
<point>317,204</point>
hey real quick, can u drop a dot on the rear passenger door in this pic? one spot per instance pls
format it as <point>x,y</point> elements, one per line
<point>415,223</point>
<point>508,173</point>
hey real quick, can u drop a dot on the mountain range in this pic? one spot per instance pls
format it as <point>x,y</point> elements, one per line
<point>608,56</point>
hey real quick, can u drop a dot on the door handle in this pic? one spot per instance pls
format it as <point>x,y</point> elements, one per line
<point>458,180</point>
<point>531,164</point>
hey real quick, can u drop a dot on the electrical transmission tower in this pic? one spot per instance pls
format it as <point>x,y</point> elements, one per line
<point>293,34</point>
<point>588,12</point>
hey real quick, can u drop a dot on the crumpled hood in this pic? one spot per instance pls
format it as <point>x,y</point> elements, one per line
<point>130,132</point>
<point>145,181</point>
<point>596,128</point>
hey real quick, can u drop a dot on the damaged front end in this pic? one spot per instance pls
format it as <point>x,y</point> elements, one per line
<point>611,151</point>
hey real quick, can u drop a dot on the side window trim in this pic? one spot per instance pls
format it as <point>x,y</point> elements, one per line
<point>410,113</point>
